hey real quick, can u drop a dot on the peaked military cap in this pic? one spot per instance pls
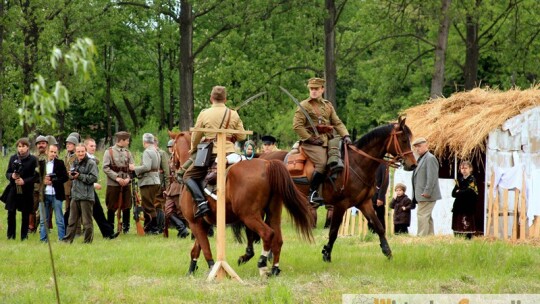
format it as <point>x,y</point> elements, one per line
<point>315,82</point>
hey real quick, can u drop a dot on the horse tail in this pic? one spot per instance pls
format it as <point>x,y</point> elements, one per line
<point>295,202</point>
<point>237,229</point>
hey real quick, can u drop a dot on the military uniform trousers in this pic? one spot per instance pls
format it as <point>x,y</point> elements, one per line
<point>148,196</point>
<point>317,154</point>
<point>112,197</point>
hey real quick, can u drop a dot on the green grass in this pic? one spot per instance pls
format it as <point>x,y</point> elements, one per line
<point>133,269</point>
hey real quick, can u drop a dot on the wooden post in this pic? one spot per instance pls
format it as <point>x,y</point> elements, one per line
<point>523,211</point>
<point>505,214</point>
<point>490,202</point>
<point>221,267</point>
<point>496,215</point>
<point>515,216</point>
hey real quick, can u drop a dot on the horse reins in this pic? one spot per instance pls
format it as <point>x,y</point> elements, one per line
<point>388,163</point>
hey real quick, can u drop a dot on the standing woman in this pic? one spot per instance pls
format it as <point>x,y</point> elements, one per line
<point>466,194</point>
<point>19,194</point>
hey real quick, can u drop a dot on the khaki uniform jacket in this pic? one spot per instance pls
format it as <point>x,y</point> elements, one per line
<point>164,168</point>
<point>121,158</point>
<point>148,172</point>
<point>68,161</point>
<point>174,187</point>
<point>328,116</point>
<point>212,118</point>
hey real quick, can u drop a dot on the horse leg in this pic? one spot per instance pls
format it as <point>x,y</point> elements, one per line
<point>277,243</point>
<point>266,234</point>
<point>201,237</point>
<point>337,216</point>
<point>195,253</point>
<point>250,235</point>
<point>367,209</point>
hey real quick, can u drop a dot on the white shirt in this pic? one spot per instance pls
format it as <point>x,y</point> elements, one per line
<point>49,190</point>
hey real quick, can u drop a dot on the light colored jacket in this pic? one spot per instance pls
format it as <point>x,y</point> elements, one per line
<point>425,179</point>
<point>148,172</point>
<point>118,164</point>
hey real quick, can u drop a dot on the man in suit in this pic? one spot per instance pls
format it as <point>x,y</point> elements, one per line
<point>54,193</point>
<point>425,181</point>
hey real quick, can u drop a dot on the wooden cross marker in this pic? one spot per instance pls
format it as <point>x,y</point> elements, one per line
<point>221,268</point>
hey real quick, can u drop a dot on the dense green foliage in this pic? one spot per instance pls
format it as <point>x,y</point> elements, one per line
<point>383,52</point>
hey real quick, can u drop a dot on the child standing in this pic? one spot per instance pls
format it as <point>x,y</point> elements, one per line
<point>466,194</point>
<point>402,206</point>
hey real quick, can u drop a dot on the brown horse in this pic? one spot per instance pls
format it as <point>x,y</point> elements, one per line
<point>354,186</point>
<point>256,191</point>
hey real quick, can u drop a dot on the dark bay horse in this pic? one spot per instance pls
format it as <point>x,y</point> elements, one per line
<point>354,186</point>
<point>256,191</point>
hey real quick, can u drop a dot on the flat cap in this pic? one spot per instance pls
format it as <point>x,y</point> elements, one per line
<point>419,140</point>
<point>122,135</point>
<point>268,139</point>
<point>41,138</point>
<point>72,139</point>
<point>315,82</point>
<point>219,93</point>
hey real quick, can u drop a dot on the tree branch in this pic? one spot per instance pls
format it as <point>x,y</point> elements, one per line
<point>413,61</point>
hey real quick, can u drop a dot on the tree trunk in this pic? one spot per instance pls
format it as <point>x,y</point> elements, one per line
<point>172,57</point>
<point>107,65</point>
<point>472,52</point>
<point>186,65</point>
<point>329,52</point>
<point>162,122</point>
<point>31,37</point>
<point>437,81</point>
<point>132,113</point>
<point>116,112</point>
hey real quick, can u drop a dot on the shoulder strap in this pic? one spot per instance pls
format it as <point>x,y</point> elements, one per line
<point>112,158</point>
<point>223,119</point>
<point>228,119</point>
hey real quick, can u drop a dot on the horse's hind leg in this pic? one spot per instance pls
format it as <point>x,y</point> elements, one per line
<point>266,234</point>
<point>367,209</point>
<point>337,216</point>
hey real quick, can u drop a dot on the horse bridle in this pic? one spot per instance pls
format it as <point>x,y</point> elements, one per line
<point>395,162</point>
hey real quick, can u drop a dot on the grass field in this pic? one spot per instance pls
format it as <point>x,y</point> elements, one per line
<point>151,269</point>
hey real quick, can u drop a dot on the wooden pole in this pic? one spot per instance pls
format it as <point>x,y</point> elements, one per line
<point>221,267</point>
<point>505,214</point>
<point>523,211</point>
<point>515,216</point>
<point>490,203</point>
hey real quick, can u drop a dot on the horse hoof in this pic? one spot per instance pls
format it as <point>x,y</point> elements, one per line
<point>327,255</point>
<point>275,271</point>
<point>241,260</point>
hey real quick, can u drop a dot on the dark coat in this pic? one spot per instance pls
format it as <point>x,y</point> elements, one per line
<point>25,201</point>
<point>381,185</point>
<point>83,187</point>
<point>59,168</point>
<point>466,194</point>
<point>402,216</point>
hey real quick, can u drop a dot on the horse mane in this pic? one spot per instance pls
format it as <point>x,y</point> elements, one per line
<point>381,131</point>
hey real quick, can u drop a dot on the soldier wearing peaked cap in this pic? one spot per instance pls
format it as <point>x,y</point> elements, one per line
<point>215,117</point>
<point>117,164</point>
<point>329,126</point>
<point>269,144</point>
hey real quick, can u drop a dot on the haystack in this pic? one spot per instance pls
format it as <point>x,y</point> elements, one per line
<point>459,125</point>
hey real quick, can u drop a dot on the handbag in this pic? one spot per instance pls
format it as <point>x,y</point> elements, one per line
<point>204,154</point>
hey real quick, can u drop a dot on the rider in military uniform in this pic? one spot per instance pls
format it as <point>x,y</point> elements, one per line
<point>164,173</point>
<point>215,117</point>
<point>117,165</point>
<point>323,114</point>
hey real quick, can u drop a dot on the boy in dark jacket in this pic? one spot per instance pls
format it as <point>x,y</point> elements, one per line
<point>402,206</point>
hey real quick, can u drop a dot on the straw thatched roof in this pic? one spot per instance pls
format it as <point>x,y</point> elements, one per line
<point>459,125</point>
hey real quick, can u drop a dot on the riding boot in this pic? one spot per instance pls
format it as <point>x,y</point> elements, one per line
<point>126,213</point>
<point>182,230</point>
<point>110,217</point>
<point>160,220</point>
<point>202,204</point>
<point>313,197</point>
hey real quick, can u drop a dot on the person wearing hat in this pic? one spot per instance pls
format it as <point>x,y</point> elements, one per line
<point>269,144</point>
<point>425,182</point>
<point>215,117</point>
<point>21,173</point>
<point>118,163</point>
<point>150,185</point>
<point>327,122</point>
<point>69,159</point>
<point>164,172</point>
<point>172,197</point>
<point>41,155</point>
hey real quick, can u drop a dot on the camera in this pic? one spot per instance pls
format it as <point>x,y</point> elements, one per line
<point>52,177</point>
<point>17,166</point>
<point>74,169</point>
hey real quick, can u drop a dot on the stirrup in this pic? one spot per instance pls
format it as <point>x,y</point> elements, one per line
<point>315,200</point>
<point>202,209</point>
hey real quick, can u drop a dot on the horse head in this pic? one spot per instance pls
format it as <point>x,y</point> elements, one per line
<point>399,145</point>
<point>181,147</point>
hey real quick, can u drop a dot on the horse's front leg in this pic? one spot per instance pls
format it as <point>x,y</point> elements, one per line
<point>367,210</point>
<point>337,217</point>
<point>201,236</point>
